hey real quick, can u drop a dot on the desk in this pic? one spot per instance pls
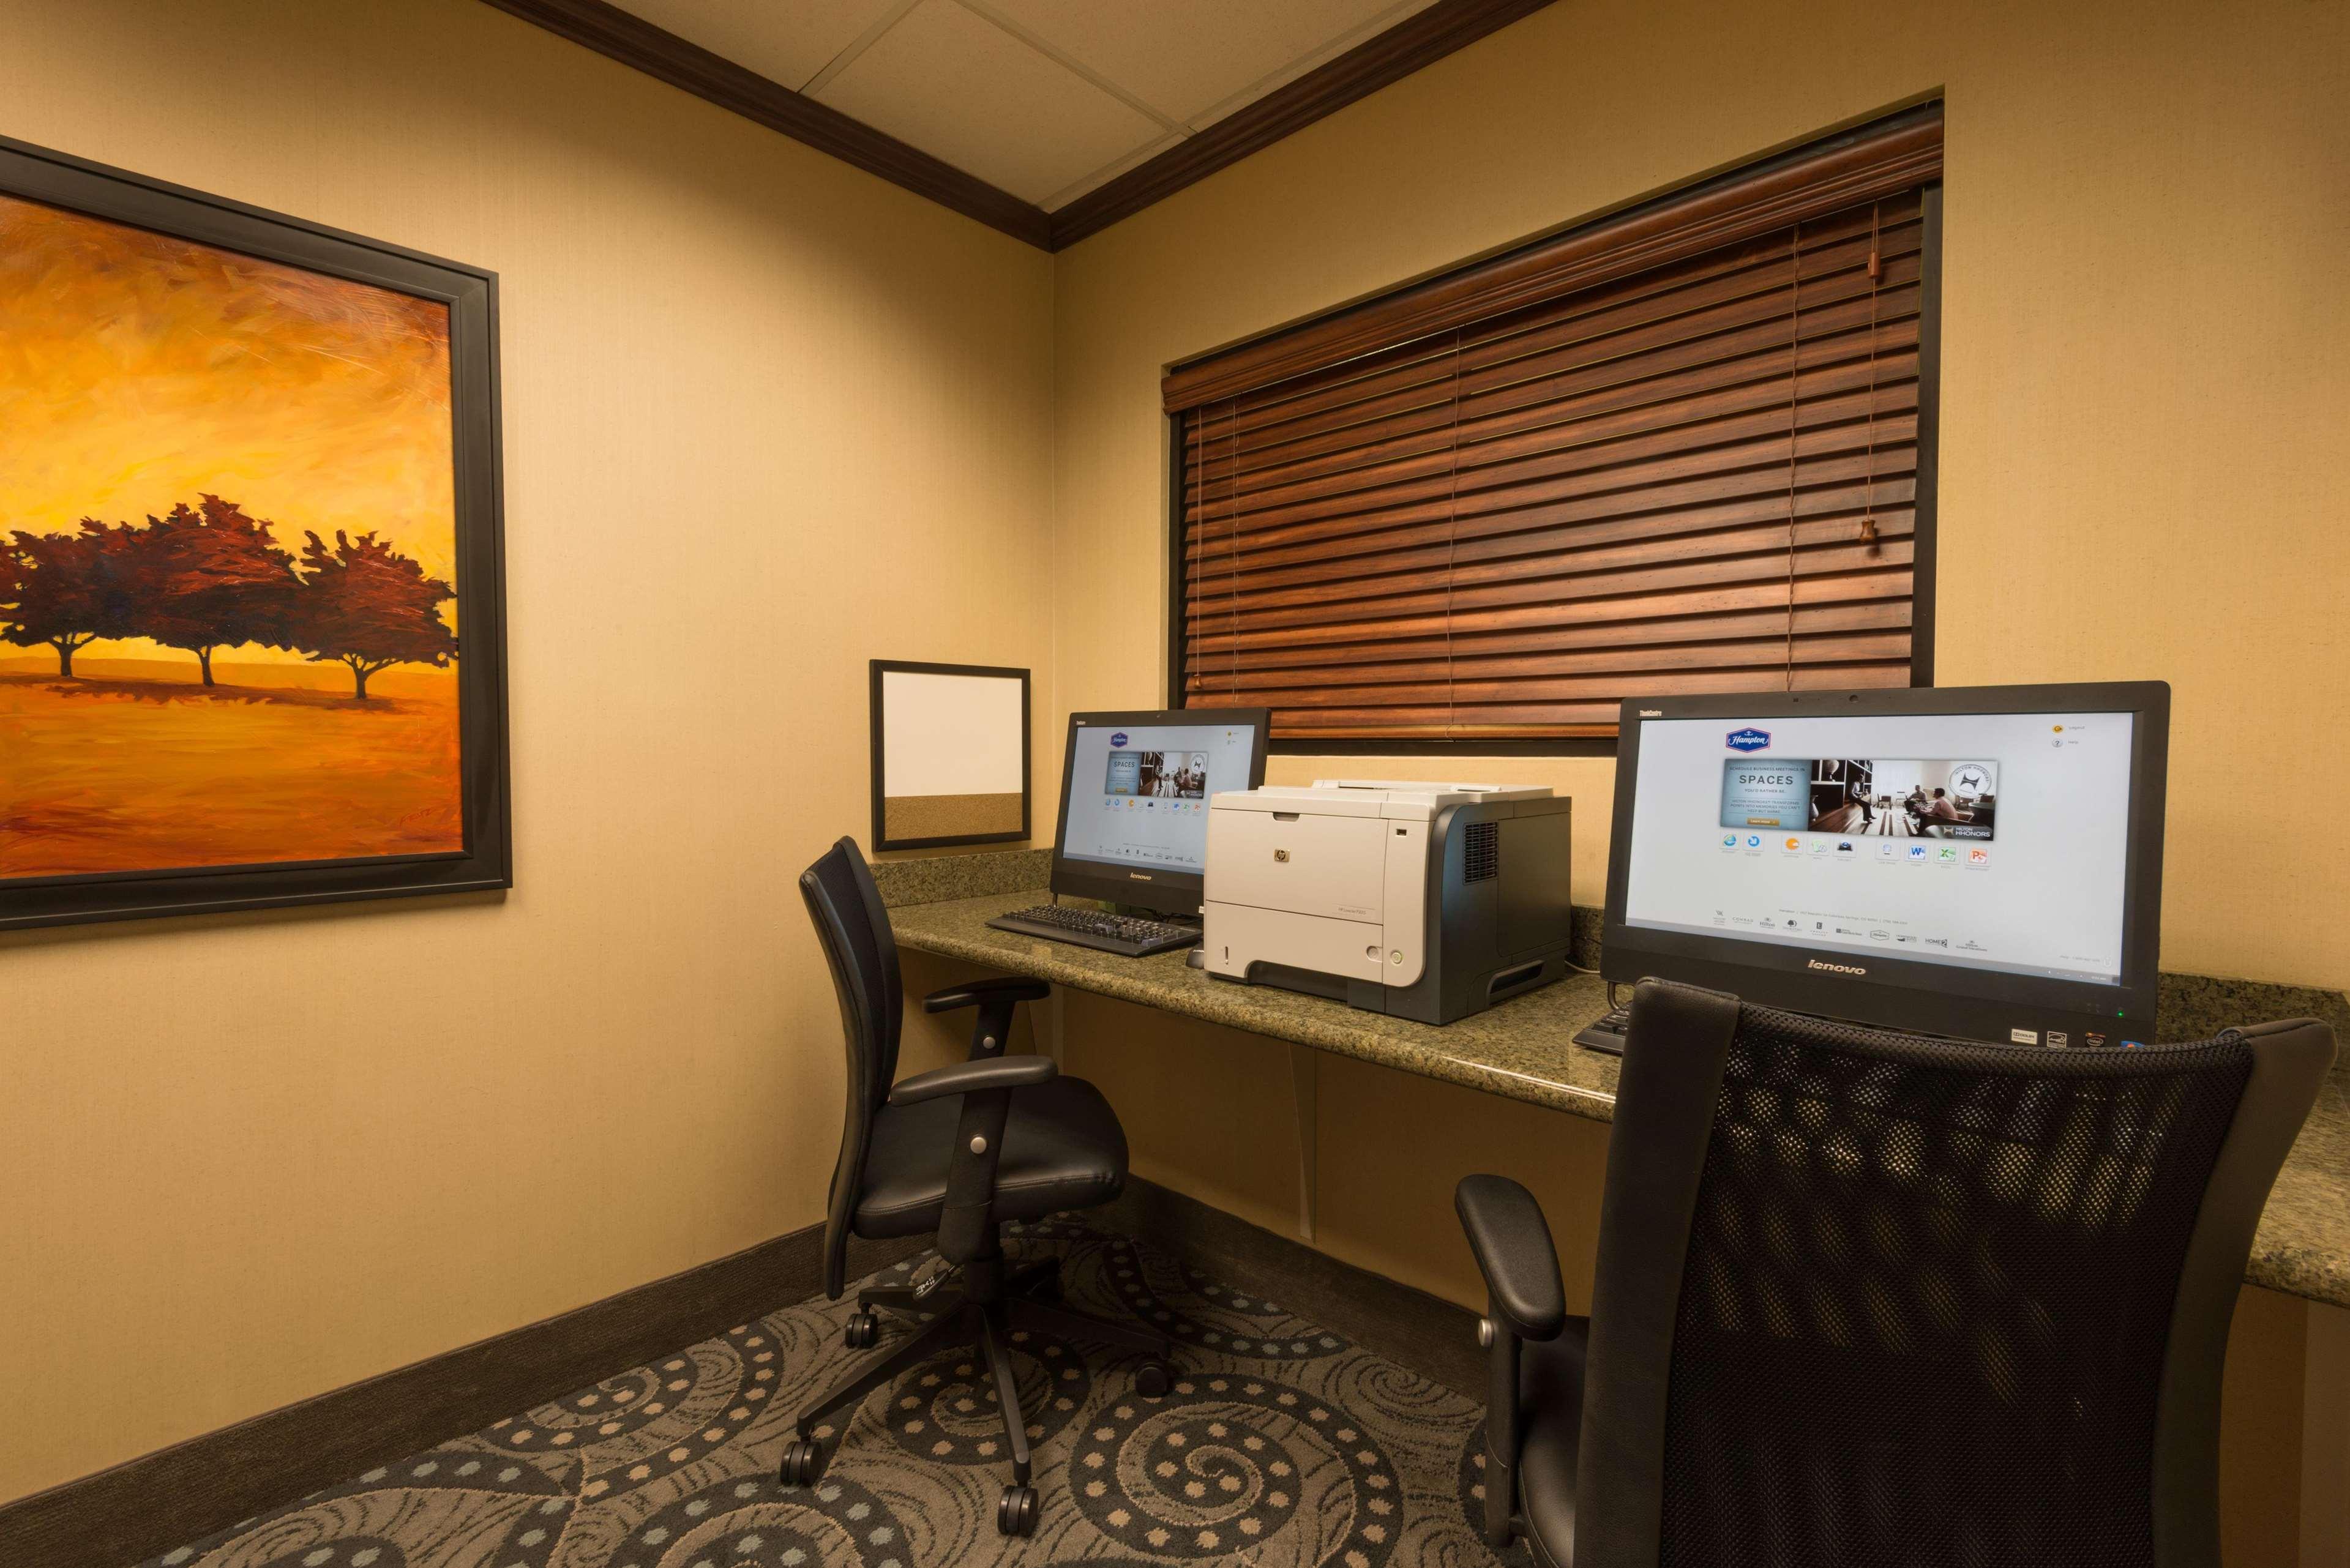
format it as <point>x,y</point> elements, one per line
<point>1523,1049</point>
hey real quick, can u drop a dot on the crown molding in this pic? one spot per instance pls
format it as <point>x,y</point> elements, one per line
<point>1420,39</point>
<point>661,54</point>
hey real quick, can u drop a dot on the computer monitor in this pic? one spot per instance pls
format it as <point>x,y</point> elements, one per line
<point>1134,801</point>
<point>1984,863</point>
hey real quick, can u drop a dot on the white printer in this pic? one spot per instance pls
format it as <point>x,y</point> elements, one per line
<point>1429,901</point>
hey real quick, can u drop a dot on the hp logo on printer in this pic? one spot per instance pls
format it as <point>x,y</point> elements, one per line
<point>1748,740</point>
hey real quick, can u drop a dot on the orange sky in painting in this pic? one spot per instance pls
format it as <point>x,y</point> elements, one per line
<point>137,370</point>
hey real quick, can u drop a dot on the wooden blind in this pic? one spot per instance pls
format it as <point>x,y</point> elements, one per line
<point>1692,473</point>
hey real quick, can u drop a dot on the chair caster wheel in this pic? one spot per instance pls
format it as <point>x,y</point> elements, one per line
<point>863,1332</point>
<point>803,1462</point>
<point>1153,1379</point>
<point>1015,1514</point>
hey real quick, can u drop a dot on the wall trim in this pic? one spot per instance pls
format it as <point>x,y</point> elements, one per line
<point>193,1489</point>
<point>662,55</point>
<point>1422,38</point>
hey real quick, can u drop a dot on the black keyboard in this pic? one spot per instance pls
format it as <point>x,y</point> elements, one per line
<point>1607,1034</point>
<point>1128,934</point>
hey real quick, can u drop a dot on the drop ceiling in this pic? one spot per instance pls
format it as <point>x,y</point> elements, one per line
<point>1046,99</point>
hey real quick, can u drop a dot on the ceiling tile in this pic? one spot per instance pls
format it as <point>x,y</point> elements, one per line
<point>961,89</point>
<point>786,41</point>
<point>1185,57</point>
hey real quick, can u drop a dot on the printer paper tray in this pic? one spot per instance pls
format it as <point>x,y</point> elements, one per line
<point>1241,934</point>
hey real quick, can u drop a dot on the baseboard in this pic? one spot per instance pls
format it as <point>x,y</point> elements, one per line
<point>191,1490</point>
<point>1425,1334</point>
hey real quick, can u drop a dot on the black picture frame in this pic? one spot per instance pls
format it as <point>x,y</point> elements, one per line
<point>880,667</point>
<point>487,862</point>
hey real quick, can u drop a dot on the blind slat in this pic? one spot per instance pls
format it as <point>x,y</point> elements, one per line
<point>1535,346</point>
<point>1766,563</point>
<point>1819,454</point>
<point>1284,663</point>
<point>1699,473</point>
<point>1671,436</point>
<point>1482,383</point>
<point>1707,599</point>
<point>1425,570</point>
<point>1725,365</point>
<point>1888,484</point>
<point>1471,678</point>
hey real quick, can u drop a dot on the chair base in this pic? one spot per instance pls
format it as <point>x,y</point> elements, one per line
<point>998,1302</point>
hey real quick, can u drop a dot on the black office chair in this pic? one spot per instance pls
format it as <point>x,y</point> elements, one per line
<point>1865,1298</point>
<point>955,1154</point>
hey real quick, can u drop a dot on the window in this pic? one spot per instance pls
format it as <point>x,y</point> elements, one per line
<point>1688,448</point>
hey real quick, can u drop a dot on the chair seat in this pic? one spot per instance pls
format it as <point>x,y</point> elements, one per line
<point>1550,1401</point>
<point>1063,1149</point>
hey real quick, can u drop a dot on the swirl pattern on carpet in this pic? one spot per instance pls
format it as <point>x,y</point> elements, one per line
<point>1281,1446</point>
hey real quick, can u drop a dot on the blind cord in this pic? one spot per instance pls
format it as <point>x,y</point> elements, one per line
<point>1195,527</point>
<point>1876,278</point>
<point>1795,363</point>
<point>1232,543</point>
<point>1452,540</point>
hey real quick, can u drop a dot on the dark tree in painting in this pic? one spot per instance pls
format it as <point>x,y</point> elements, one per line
<point>368,605</point>
<point>68,589</point>
<point>211,577</point>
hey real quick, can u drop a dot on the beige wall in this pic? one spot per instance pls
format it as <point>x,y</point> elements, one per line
<point>765,416</point>
<point>2146,374</point>
<point>2146,409</point>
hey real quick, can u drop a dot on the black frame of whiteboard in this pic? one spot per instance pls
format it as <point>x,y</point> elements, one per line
<point>878,667</point>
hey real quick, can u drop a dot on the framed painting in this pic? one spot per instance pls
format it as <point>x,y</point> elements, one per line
<point>950,754</point>
<point>252,626</point>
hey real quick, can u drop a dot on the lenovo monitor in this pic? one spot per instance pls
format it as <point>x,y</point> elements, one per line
<point>1134,801</point>
<point>1978,862</point>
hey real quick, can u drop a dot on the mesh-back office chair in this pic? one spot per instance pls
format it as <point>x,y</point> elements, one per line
<point>954,1153</point>
<point>1863,1298</point>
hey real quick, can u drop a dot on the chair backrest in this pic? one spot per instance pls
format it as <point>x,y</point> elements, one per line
<point>854,930</point>
<point>1867,1298</point>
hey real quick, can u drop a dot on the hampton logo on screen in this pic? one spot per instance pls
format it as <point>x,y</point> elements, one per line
<point>1748,740</point>
<point>1118,737</point>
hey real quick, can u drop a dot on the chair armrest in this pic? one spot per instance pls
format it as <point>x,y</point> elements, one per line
<point>1003,988</point>
<point>974,1077</point>
<point>1513,1247</point>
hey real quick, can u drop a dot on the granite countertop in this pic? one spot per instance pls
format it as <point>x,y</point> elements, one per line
<point>1520,1048</point>
<point>1523,1048</point>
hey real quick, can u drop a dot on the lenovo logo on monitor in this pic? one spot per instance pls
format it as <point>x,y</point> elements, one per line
<point>1836,968</point>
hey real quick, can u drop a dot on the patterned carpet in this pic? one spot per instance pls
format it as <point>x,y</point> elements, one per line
<point>1282,1444</point>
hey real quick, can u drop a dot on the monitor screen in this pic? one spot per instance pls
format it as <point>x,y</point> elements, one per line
<point>1989,841</point>
<point>1136,794</point>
